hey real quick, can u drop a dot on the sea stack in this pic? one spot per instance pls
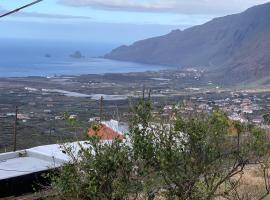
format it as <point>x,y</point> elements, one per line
<point>77,55</point>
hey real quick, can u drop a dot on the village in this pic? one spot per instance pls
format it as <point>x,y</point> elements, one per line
<point>48,107</point>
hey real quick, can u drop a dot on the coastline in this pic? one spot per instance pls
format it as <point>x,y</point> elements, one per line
<point>58,67</point>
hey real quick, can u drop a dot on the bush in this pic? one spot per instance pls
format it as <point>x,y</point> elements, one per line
<point>201,156</point>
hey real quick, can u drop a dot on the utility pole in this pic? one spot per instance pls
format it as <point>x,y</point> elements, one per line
<point>15,130</point>
<point>50,127</point>
<point>149,94</point>
<point>143,91</point>
<point>101,108</point>
<point>117,113</point>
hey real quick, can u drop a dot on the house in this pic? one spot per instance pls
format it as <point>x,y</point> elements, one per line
<point>105,133</point>
<point>110,130</point>
<point>47,111</point>
<point>168,108</point>
<point>94,119</point>
<point>73,117</point>
<point>23,117</point>
<point>257,121</point>
<point>247,110</point>
<point>22,169</point>
<point>237,117</point>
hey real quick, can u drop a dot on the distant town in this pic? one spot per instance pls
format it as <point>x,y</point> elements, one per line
<point>46,104</point>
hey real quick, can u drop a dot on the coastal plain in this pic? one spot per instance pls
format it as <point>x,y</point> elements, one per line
<point>46,105</point>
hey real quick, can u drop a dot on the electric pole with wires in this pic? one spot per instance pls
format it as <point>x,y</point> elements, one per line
<point>15,130</point>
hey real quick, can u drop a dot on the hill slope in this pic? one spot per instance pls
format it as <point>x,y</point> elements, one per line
<point>236,45</point>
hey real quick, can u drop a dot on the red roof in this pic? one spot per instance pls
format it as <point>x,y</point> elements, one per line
<point>105,133</point>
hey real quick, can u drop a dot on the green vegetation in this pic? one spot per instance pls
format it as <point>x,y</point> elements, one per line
<point>266,118</point>
<point>201,156</point>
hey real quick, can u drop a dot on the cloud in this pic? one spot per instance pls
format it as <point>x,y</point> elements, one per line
<point>173,6</point>
<point>43,15</point>
<point>54,16</point>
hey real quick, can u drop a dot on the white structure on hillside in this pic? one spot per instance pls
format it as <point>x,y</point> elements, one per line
<point>37,159</point>
<point>117,126</point>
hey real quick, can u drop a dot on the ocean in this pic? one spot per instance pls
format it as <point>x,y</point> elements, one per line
<point>22,58</point>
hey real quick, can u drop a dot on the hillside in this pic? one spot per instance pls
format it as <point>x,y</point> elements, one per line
<point>236,45</point>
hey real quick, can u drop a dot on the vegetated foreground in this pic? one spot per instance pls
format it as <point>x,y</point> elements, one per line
<point>194,156</point>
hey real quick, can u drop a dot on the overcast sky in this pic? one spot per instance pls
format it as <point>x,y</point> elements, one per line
<point>52,19</point>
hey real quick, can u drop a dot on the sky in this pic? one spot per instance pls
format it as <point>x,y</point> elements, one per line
<point>111,21</point>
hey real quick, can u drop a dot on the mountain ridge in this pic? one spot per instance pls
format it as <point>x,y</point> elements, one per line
<point>237,45</point>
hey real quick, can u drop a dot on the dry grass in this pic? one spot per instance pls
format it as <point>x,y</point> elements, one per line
<point>251,185</point>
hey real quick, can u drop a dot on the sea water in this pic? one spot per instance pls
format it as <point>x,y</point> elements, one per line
<point>22,58</point>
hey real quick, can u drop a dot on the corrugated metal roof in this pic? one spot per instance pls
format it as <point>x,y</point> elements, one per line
<point>37,159</point>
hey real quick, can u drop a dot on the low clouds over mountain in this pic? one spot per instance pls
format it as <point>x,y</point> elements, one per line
<point>174,6</point>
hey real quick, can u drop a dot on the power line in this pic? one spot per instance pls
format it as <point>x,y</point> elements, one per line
<point>20,8</point>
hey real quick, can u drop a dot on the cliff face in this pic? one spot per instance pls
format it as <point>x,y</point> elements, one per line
<point>238,45</point>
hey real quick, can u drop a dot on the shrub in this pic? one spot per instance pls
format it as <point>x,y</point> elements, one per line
<point>201,156</point>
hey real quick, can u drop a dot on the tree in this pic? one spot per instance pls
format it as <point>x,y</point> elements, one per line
<point>266,118</point>
<point>199,156</point>
<point>99,171</point>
